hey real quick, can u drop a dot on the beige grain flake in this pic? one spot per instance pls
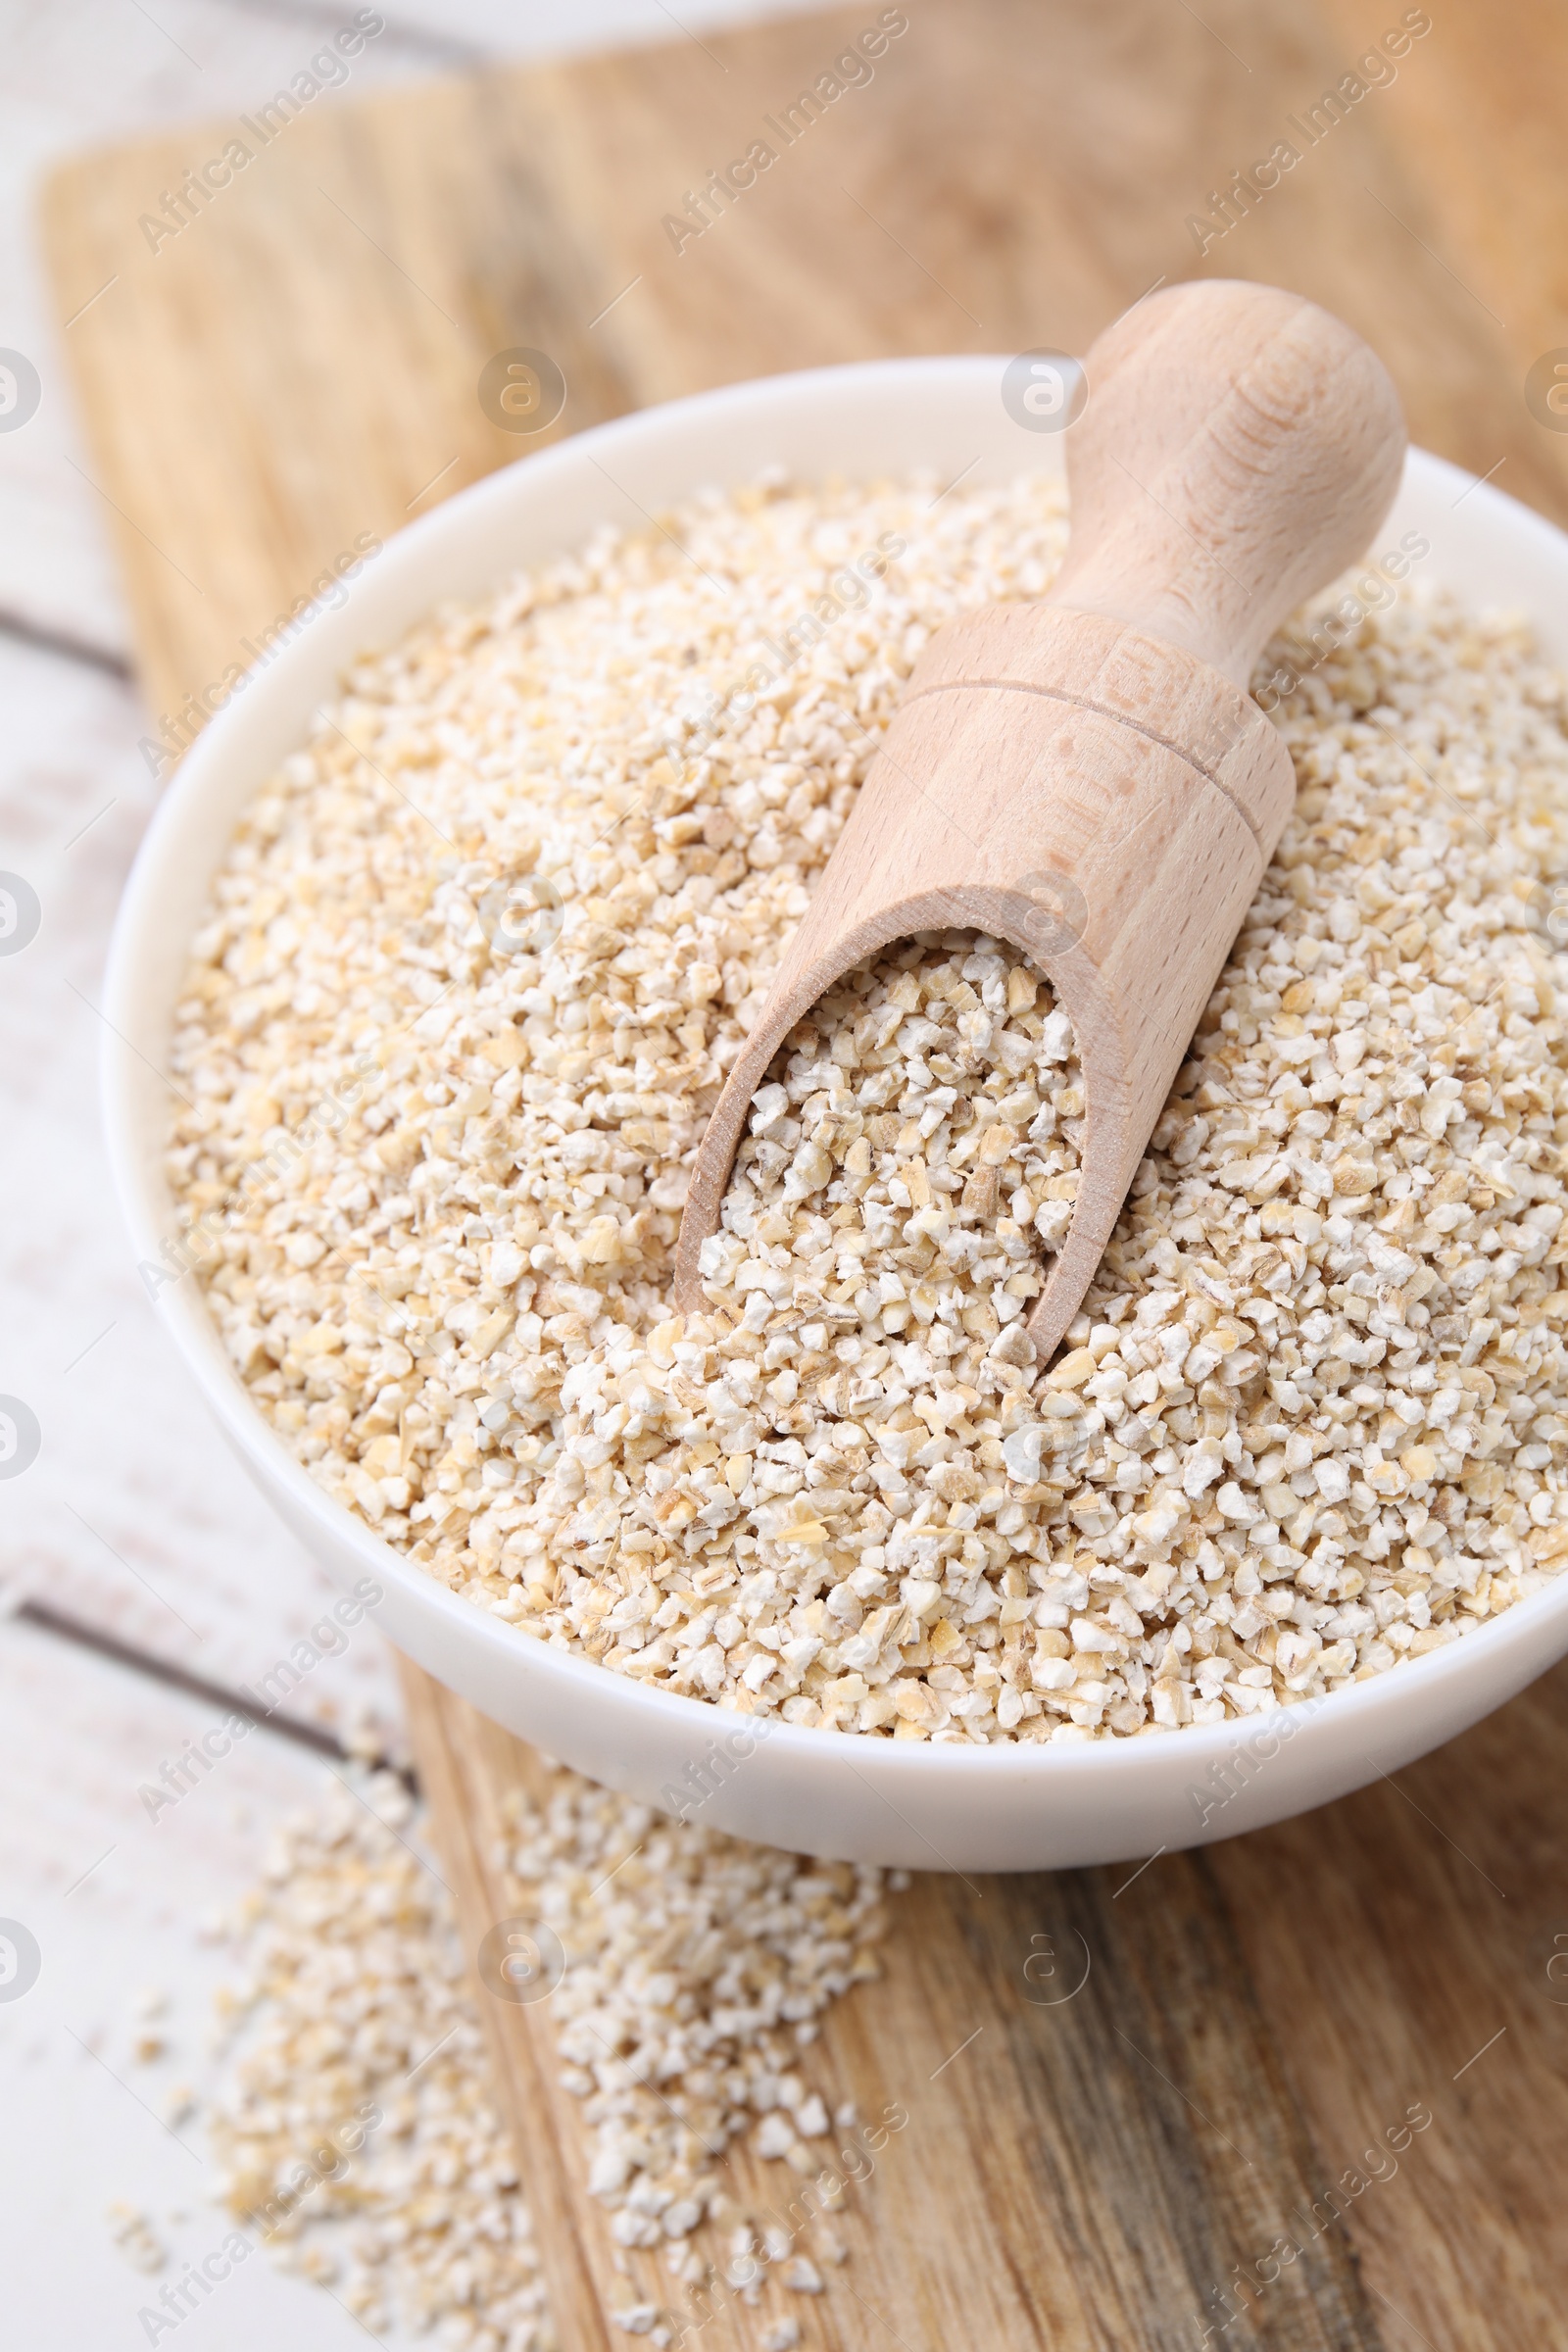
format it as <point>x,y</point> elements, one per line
<point>1310,1420</point>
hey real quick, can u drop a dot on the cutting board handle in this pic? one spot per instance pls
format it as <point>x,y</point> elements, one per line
<point>1238,450</point>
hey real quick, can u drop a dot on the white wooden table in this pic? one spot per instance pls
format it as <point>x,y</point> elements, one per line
<point>133,1527</point>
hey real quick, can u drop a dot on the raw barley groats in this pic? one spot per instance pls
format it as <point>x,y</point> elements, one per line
<point>1310,1419</point>
<point>353,2129</point>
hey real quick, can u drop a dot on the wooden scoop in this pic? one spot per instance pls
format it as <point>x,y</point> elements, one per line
<point>1087,777</point>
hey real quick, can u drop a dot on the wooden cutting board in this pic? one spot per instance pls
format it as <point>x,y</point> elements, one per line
<point>298,366</point>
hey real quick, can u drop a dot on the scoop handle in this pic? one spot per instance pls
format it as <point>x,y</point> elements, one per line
<point>1238,449</point>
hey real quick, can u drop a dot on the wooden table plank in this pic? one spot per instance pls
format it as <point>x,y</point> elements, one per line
<point>1391,1938</point>
<point>1099,2169</point>
<point>130,1519</point>
<point>84,77</point>
<point>116,1903</point>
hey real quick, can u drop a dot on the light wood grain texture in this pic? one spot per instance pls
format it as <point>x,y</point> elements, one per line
<point>1169,2072</point>
<point>114,1901</point>
<point>511,210</point>
<point>130,1519</point>
<point>1082,2175</point>
<point>1087,777</point>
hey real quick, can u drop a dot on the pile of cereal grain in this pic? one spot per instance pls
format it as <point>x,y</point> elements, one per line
<point>355,2132</point>
<point>927,1091</point>
<point>1310,1421</point>
<point>699,1965</point>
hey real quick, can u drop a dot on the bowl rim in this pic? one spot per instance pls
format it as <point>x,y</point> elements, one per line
<point>1357,1708</point>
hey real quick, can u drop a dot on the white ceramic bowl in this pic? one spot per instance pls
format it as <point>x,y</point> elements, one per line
<point>829,1793</point>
